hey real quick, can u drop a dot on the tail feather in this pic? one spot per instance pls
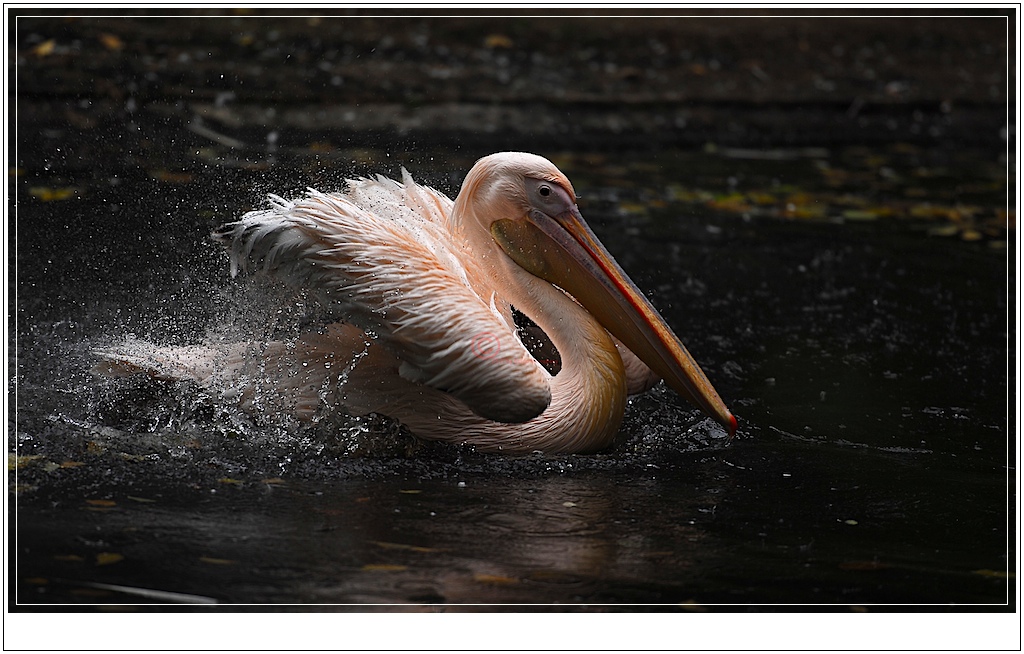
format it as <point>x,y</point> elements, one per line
<point>299,378</point>
<point>199,363</point>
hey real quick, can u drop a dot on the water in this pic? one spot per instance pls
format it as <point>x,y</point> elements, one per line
<point>864,359</point>
<point>847,295</point>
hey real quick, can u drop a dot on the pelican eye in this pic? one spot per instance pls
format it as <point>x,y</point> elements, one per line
<point>548,196</point>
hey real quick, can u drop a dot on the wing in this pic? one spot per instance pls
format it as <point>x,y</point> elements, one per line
<point>380,256</point>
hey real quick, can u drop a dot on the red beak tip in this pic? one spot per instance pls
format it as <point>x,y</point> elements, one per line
<point>733,425</point>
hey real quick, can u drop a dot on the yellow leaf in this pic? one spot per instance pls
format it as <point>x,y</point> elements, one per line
<point>410,491</point>
<point>860,214</point>
<point>498,41</point>
<point>273,481</point>
<point>383,567</point>
<point>229,480</point>
<point>944,230</point>
<point>633,208</point>
<point>215,561</point>
<point>403,546</point>
<point>101,502</point>
<point>106,558</point>
<point>15,462</point>
<point>111,42</point>
<point>47,194</point>
<point>71,464</point>
<point>44,48</point>
<point>758,197</point>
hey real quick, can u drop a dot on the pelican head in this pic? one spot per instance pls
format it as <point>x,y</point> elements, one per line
<point>520,207</point>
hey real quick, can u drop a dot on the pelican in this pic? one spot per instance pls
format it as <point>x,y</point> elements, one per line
<point>424,290</point>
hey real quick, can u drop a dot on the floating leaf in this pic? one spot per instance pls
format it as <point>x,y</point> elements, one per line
<point>15,462</point>
<point>498,41</point>
<point>736,202</point>
<point>384,567</point>
<point>860,214</point>
<point>45,48</point>
<point>111,42</point>
<point>403,546</point>
<point>761,198</point>
<point>411,491</point>
<point>215,561</point>
<point>101,502</point>
<point>273,481</point>
<point>944,230</point>
<point>142,500</point>
<point>633,208</point>
<point>47,194</point>
<point>107,558</point>
<point>229,480</point>
<point>71,464</point>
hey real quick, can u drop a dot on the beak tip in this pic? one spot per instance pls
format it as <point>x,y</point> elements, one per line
<point>732,426</point>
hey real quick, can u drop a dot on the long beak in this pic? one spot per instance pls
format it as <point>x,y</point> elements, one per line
<point>564,251</point>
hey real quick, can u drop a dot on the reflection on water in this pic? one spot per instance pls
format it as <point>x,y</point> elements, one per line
<point>863,352</point>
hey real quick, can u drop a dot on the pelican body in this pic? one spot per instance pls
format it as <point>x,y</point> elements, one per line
<point>423,290</point>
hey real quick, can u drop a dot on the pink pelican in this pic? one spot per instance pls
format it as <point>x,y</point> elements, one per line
<point>425,288</point>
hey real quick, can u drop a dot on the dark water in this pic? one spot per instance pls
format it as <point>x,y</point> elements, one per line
<point>838,268</point>
<point>866,359</point>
